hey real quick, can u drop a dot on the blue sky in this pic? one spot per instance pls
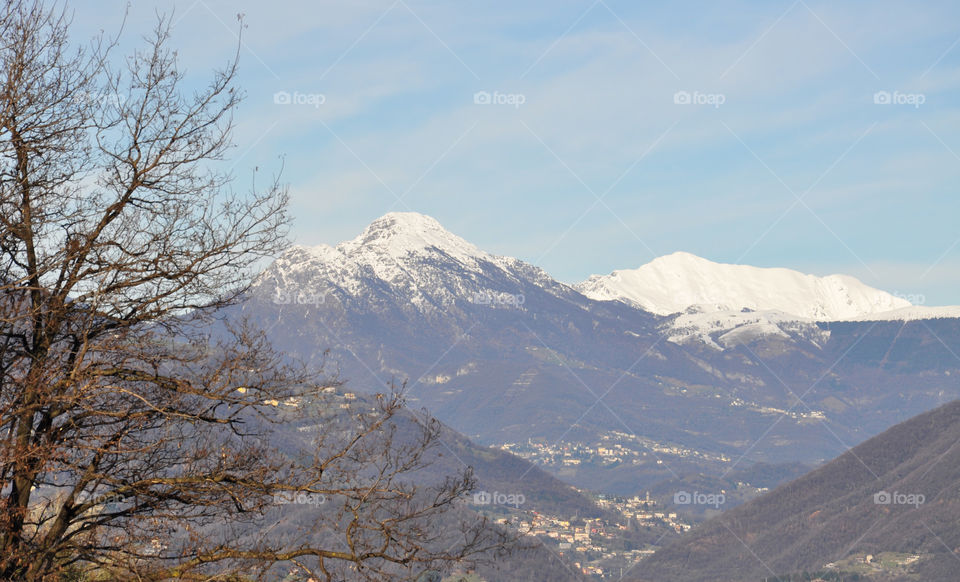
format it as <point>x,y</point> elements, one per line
<point>818,136</point>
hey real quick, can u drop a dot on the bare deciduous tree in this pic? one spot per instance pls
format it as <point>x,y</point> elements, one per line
<point>136,442</point>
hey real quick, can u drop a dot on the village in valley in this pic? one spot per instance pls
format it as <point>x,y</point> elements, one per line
<point>613,448</point>
<point>599,547</point>
<point>634,527</point>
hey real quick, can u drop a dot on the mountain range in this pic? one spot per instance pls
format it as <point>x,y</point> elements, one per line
<point>686,371</point>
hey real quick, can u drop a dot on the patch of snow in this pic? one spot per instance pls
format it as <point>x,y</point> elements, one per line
<point>747,333</point>
<point>724,329</point>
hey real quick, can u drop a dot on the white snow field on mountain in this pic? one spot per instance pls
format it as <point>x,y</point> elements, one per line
<point>673,283</point>
<point>723,305</point>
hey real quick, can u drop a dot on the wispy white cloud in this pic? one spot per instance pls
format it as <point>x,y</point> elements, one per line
<point>598,82</point>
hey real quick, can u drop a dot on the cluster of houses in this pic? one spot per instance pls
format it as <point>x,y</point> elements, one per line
<point>613,448</point>
<point>589,543</point>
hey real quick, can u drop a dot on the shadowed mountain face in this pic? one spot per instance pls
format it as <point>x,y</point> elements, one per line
<point>887,509</point>
<point>501,352</point>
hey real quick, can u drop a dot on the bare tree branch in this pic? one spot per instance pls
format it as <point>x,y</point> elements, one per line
<point>140,438</point>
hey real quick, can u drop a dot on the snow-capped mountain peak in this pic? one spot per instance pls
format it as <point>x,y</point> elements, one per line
<point>399,233</point>
<point>407,260</point>
<point>673,283</point>
<point>405,249</point>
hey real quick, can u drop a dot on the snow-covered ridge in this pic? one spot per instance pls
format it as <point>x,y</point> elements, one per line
<point>402,257</point>
<point>385,250</point>
<point>672,283</point>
